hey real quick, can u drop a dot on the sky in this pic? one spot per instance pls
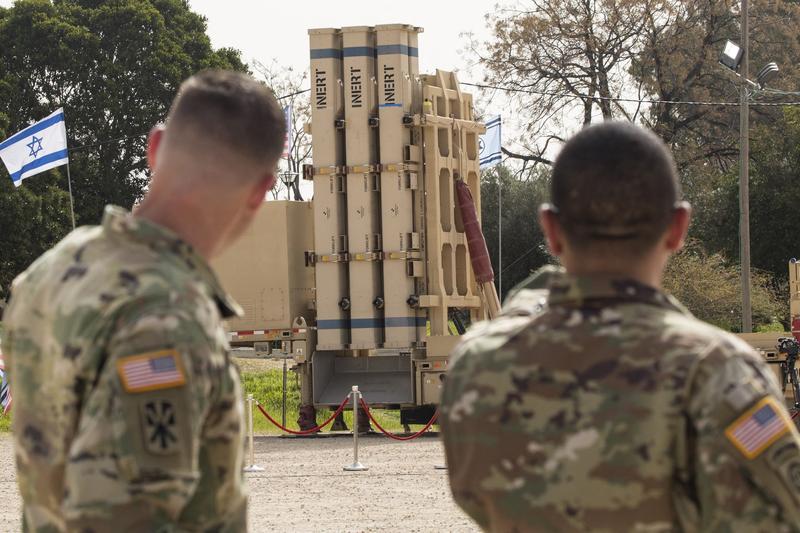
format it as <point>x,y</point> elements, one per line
<point>267,29</point>
<point>263,30</point>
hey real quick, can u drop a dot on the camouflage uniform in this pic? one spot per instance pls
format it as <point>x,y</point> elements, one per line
<point>607,407</point>
<point>128,412</point>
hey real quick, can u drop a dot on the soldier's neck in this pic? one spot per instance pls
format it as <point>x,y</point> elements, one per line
<point>187,218</point>
<point>648,270</point>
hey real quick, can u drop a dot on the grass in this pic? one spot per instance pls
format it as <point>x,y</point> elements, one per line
<point>264,380</point>
<point>266,387</point>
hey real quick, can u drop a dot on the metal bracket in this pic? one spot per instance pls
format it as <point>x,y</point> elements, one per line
<point>361,169</point>
<point>398,167</point>
<point>332,258</point>
<point>402,256</point>
<point>309,171</point>
<point>366,256</point>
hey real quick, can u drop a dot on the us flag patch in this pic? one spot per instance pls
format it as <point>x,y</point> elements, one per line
<point>754,431</point>
<point>151,371</point>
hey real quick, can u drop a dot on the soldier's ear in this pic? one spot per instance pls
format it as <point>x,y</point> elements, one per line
<point>153,143</point>
<point>678,227</point>
<point>548,221</point>
<point>259,191</point>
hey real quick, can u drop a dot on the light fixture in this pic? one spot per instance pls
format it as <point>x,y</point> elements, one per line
<point>731,55</point>
<point>767,73</point>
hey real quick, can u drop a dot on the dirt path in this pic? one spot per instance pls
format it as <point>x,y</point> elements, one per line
<point>304,488</point>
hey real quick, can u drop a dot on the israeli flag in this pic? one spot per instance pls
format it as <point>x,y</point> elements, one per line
<point>489,143</point>
<point>37,148</point>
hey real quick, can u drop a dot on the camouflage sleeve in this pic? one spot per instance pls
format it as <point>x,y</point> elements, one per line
<point>458,433</point>
<point>746,450</point>
<point>153,447</point>
<point>469,415</point>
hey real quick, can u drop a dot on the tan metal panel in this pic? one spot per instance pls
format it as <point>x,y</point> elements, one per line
<point>403,323</point>
<point>363,201</point>
<point>265,269</point>
<point>451,142</point>
<point>330,239</point>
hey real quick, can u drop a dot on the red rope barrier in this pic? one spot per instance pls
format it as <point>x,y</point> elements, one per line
<point>395,437</point>
<point>315,429</point>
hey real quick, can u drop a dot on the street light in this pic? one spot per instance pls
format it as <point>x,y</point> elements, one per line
<point>289,178</point>
<point>733,57</point>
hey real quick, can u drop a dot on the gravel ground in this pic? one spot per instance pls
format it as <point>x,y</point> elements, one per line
<point>303,487</point>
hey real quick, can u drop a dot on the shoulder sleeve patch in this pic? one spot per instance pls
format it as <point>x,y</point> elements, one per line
<point>151,371</point>
<point>758,428</point>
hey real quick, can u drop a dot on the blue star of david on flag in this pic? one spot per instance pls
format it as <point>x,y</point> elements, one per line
<point>39,147</point>
<point>35,145</point>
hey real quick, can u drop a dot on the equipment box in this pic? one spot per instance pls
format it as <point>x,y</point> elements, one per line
<point>265,270</point>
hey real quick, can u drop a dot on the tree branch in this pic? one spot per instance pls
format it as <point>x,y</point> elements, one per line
<point>527,158</point>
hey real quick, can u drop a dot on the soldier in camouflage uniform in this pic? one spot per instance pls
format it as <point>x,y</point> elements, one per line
<point>598,403</point>
<point>129,412</point>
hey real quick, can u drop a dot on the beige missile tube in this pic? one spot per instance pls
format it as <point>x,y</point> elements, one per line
<point>330,223</point>
<point>363,187</point>
<point>400,164</point>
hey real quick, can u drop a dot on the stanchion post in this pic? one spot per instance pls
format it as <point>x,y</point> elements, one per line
<point>252,467</point>
<point>356,466</point>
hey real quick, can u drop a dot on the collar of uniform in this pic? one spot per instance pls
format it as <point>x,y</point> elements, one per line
<point>120,221</point>
<point>566,290</point>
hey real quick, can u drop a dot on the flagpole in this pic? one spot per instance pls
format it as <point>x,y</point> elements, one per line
<point>71,204</point>
<point>500,235</point>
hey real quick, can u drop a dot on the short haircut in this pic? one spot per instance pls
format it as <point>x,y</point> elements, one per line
<point>233,110</point>
<point>615,187</point>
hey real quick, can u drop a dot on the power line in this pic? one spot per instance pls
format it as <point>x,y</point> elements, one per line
<point>628,100</point>
<point>138,135</point>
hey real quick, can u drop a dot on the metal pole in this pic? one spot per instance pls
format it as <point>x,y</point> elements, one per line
<point>356,466</point>
<point>744,176</point>
<point>252,466</point>
<point>71,204</point>
<point>283,403</point>
<point>500,236</point>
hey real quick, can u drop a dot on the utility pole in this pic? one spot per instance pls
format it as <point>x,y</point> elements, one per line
<point>744,175</point>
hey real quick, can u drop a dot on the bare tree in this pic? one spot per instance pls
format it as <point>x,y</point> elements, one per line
<point>291,87</point>
<point>565,60</point>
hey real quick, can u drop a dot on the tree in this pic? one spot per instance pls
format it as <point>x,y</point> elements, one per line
<point>290,87</point>
<point>562,56</point>
<point>709,286</point>
<point>679,62</point>
<point>33,219</point>
<point>774,200</point>
<point>524,249</point>
<point>114,67</point>
<point>564,60</point>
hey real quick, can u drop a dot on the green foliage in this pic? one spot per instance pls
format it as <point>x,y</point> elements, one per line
<point>114,67</point>
<point>33,217</point>
<point>524,249</point>
<point>266,387</point>
<point>774,200</point>
<point>5,423</point>
<point>710,287</point>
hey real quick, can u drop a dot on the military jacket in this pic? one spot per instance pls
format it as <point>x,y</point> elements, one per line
<point>600,404</point>
<point>128,412</point>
